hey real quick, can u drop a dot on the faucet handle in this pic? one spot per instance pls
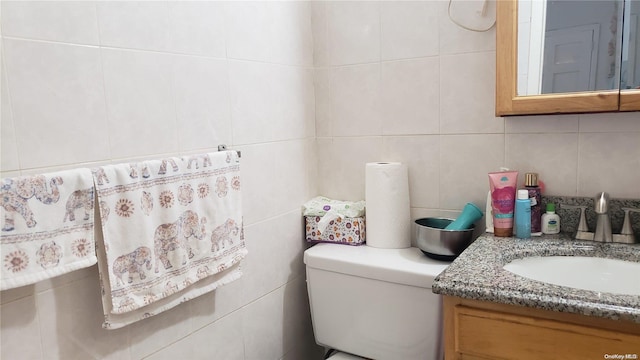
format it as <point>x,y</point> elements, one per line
<point>582,225</point>
<point>626,226</point>
<point>601,203</point>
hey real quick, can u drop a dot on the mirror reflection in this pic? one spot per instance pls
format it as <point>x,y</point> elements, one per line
<point>573,46</point>
<point>630,69</point>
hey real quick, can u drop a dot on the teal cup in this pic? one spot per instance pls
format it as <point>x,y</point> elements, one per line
<point>470,214</point>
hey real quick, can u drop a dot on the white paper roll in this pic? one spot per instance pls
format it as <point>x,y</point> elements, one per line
<point>388,218</point>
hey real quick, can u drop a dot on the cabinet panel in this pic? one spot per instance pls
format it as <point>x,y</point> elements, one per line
<point>482,330</point>
<point>507,336</point>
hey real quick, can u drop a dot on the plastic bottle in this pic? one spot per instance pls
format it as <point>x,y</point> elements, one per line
<point>550,220</point>
<point>523,215</point>
<point>531,184</point>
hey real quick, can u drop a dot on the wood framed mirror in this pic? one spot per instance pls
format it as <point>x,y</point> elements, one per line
<point>605,98</point>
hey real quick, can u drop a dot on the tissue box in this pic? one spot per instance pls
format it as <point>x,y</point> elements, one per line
<point>345,230</point>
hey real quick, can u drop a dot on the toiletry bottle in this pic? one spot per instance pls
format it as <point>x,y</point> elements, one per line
<point>523,215</point>
<point>550,220</point>
<point>531,184</point>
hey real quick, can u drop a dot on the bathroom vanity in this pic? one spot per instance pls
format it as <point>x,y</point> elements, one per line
<point>492,313</point>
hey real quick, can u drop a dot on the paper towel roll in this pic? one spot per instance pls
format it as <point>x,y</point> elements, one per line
<point>388,218</point>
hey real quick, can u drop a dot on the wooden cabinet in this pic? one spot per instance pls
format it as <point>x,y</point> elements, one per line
<point>508,102</point>
<point>483,330</point>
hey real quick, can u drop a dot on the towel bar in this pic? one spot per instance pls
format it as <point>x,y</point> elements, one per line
<point>223,147</point>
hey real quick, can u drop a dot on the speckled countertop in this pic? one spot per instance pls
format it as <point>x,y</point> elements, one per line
<point>478,274</point>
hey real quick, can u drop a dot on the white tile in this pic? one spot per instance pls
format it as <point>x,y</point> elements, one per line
<point>220,340</point>
<point>614,169</point>
<point>455,39</point>
<point>270,102</point>
<point>354,32</point>
<point>140,103</point>
<point>197,28</point>
<point>610,122</point>
<point>71,323</point>
<point>341,165</point>
<point>210,307</point>
<point>275,179</point>
<point>67,278</point>
<point>263,327</point>
<point>149,335</point>
<point>275,254</point>
<point>552,156</point>
<point>409,29</point>
<point>564,123</point>
<point>134,24</point>
<point>322,91</point>
<point>20,335</point>
<point>202,102</point>
<point>311,156</point>
<point>296,316</point>
<point>467,94</point>
<point>9,295</point>
<point>320,30</point>
<point>355,100</point>
<point>422,156</point>
<point>249,30</point>
<point>410,97</point>
<point>5,174</point>
<point>58,105</point>
<point>9,151</point>
<point>63,21</point>
<point>254,104</point>
<point>291,38</point>
<point>295,90</point>
<point>465,161</point>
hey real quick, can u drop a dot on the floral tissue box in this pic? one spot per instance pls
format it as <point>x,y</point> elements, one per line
<point>349,231</point>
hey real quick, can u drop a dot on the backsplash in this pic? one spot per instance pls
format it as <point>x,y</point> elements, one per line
<point>570,217</point>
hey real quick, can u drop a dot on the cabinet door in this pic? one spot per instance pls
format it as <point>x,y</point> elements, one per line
<point>507,100</point>
<point>481,333</point>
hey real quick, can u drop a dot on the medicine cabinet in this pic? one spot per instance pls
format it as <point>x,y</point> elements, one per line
<point>567,56</point>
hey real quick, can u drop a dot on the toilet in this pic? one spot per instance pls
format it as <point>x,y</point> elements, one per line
<point>374,303</point>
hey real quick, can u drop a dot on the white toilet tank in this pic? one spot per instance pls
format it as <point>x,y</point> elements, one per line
<point>375,303</point>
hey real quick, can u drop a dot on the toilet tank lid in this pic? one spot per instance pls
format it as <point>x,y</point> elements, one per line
<point>403,266</point>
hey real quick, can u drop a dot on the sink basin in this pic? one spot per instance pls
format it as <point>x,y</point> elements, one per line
<point>586,273</point>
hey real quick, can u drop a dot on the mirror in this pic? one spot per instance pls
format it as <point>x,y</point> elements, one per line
<point>569,46</point>
<point>630,69</point>
<point>606,49</point>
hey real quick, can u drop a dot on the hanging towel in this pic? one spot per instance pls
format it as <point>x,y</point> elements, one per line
<point>171,231</point>
<point>47,227</point>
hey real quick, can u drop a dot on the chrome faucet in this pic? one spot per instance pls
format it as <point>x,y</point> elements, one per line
<point>603,221</point>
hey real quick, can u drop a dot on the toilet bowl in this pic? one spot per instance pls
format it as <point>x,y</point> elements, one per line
<point>374,303</point>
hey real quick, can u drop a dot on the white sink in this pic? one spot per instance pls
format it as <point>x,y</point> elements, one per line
<point>587,273</point>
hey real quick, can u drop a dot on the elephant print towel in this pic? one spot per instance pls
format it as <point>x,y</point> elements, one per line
<point>47,226</point>
<point>171,231</point>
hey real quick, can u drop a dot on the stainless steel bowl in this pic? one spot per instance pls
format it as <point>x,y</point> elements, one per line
<point>438,243</point>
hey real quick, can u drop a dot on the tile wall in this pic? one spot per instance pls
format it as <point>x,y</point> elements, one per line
<point>420,90</point>
<point>89,83</point>
<point>390,80</point>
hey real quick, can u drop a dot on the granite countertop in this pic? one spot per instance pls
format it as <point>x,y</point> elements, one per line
<point>478,274</point>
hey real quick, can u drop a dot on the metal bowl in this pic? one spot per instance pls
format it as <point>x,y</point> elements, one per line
<point>440,244</point>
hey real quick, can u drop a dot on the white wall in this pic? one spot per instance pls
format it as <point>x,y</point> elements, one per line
<point>418,89</point>
<point>393,81</point>
<point>86,83</point>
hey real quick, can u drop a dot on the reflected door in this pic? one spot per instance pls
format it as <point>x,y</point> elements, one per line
<point>569,59</point>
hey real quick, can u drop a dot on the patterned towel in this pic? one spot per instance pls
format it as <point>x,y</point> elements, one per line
<point>172,230</point>
<point>47,226</point>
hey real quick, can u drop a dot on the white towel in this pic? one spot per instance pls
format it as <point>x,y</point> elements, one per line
<point>47,227</point>
<point>172,230</point>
